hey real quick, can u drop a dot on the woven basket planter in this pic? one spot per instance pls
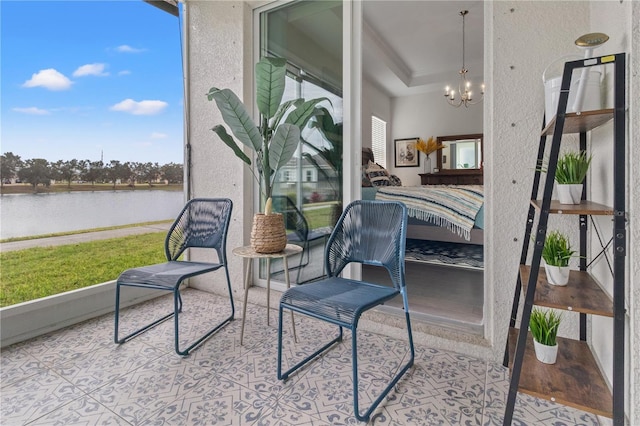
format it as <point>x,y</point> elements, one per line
<point>268,234</point>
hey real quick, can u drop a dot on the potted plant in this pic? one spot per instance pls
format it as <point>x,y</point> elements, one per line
<point>556,253</point>
<point>274,141</point>
<point>544,329</point>
<point>570,173</point>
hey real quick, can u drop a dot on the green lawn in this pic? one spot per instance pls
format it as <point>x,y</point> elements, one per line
<point>44,271</point>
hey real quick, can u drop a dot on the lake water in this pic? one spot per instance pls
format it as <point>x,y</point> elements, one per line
<point>24,215</point>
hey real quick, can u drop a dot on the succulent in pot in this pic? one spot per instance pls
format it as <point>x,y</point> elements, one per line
<point>571,171</point>
<point>274,141</point>
<point>556,253</point>
<point>543,325</point>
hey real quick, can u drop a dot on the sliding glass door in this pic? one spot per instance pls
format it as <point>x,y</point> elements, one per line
<point>309,36</point>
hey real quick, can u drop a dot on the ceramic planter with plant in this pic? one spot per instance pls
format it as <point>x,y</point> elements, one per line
<point>570,173</point>
<point>556,253</point>
<point>274,141</point>
<point>544,329</point>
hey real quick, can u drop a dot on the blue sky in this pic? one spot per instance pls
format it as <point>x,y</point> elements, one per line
<point>82,78</point>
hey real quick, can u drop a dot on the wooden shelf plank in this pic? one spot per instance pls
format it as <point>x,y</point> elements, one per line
<point>583,122</point>
<point>581,294</point>
<point>574,380</point>
<point>585,207</point>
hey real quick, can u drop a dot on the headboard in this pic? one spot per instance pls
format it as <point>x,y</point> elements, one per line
<point>367,155</point>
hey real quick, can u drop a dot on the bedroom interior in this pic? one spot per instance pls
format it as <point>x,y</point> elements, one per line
<point>444,268</point>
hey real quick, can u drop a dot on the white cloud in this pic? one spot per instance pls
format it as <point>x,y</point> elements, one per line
<point>158,135</point>
<point>90,69</point>
<point>49,79</point>
<point>140,108</point>
<point>32,111</point>
<point>125,48</point>
<point>124,72</point>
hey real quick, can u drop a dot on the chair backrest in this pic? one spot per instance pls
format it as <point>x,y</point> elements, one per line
<point>371,233</point>
<point>294,220</point>
<point>203,222</point>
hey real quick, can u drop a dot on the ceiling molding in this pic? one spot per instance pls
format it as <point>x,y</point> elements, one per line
<point>386,54</point>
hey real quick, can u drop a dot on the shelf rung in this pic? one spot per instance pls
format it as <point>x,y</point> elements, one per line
<point>574,380</point>
<point>581,294</point>
<point>585,207</point>
<point>583,122</point>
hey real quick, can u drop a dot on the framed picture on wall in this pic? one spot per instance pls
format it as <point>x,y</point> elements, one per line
<point>406,154</point>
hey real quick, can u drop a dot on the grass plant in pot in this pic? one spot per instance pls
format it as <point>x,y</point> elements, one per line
<point>544,329</point>
<point>556,253</point>
<point>274,141</point>
<point>570,174</point>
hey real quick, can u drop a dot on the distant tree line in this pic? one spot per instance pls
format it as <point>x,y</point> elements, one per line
<point>38,171</point>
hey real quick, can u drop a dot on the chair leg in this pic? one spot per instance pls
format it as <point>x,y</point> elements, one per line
<point>354,357</point>
<point>286,374</point>
<point>118,340</point>
<point>178,308</point>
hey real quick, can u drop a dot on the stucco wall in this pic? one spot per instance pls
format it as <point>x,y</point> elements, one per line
<point>526,37</point>
<point>219,44</point>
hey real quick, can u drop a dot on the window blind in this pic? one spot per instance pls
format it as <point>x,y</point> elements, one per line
<point>379,140</point>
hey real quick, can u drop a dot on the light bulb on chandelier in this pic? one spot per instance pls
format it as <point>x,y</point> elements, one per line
<point>464,86</point>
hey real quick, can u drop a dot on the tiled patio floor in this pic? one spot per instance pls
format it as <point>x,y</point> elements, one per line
<point>78,376</point>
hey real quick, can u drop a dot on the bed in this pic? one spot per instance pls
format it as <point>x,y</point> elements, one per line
<point>452,213</point>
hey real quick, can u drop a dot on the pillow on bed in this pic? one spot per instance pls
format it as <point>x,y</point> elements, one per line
<point>394,180</point>
<point>378,175</point>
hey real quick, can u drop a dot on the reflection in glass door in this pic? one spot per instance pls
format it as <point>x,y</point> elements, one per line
<point>309,36</point>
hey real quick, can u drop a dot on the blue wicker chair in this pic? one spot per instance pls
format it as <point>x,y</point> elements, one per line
<point>370,233</point>
<point>295,221</point>
<point>203,223</point>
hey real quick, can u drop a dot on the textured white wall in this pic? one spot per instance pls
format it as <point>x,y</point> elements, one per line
<point>218,36</point>
<point>525,36</point>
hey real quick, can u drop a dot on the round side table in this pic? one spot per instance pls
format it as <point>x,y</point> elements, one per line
<point>249,253</point>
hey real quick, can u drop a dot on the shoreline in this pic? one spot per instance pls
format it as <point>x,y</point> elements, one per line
<point>25,188</point>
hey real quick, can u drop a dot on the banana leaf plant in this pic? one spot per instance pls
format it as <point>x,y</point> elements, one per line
<point>332,154</point>
<point>276,139</point>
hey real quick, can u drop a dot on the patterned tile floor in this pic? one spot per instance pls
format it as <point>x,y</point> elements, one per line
<point>78,376</point>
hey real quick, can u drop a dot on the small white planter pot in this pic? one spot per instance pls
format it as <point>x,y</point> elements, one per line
<point>557,275</point>
<point>544,353</point>
<point>569,193</point>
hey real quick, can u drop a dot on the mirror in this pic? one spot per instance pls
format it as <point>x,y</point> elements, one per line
<point>460,152</point>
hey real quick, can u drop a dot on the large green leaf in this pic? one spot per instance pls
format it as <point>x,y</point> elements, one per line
<point>283,145</point>
<point>270,81</point>
<point>301,115</point>
<point>237,118</point>
<point>282,110</point>
<point>228,140</point>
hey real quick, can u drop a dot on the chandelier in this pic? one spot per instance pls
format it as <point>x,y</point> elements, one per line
<point>464,86</point>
